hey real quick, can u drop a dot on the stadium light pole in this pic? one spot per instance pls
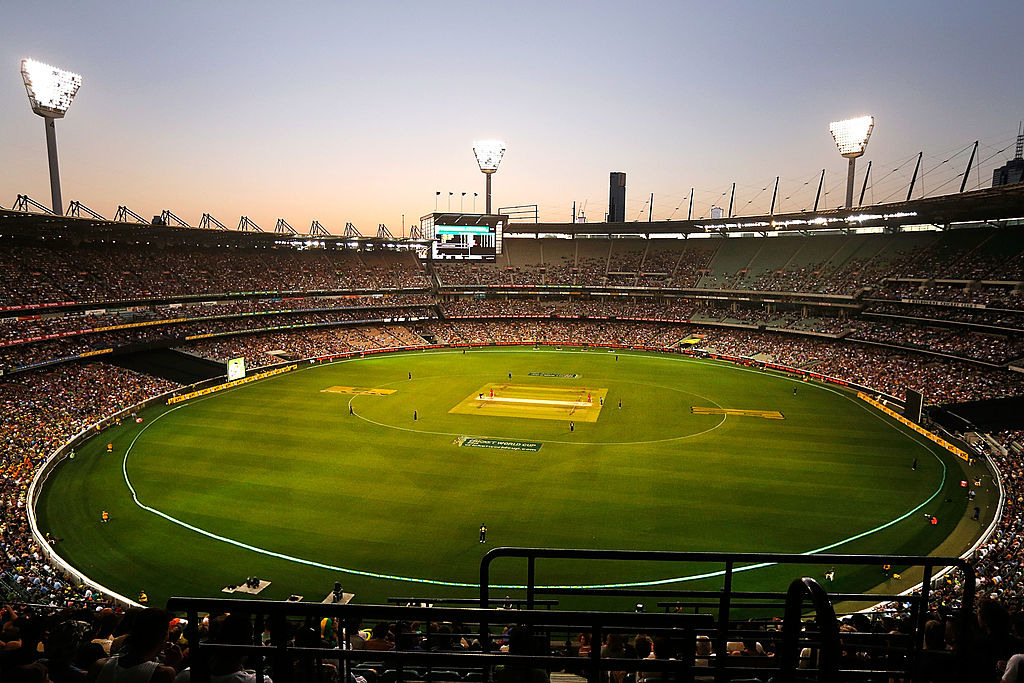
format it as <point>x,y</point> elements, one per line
<point>851,136</point>
<point>488,156</point>
<point>50,92</point>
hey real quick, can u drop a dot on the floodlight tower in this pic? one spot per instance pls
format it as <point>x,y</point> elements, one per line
<point>50,91</point>
<point>851,138</point>
<point>488,156</point>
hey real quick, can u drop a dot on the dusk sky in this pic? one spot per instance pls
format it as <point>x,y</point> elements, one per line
<point>360,111</point>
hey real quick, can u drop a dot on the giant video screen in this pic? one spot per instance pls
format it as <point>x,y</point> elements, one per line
<point>236,369</point>
<point>474,242</point>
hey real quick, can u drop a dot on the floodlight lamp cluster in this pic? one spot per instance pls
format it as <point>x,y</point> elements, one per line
<point>488,154</point>
<point>852,135</point>
<point>50,90</point>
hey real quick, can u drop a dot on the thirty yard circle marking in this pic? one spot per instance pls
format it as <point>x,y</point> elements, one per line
<point>438,582</point>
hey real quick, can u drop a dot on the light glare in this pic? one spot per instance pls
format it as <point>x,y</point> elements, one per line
<point>852,135</point>
<point>488,154</point>
<point>50,90</point>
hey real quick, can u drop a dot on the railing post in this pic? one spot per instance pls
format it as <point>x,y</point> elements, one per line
<point>970,587</point>
<point>722,638</point>
<point>485,594</point>
<point>595,654</point>
<point>531,572</point>
<point>688,655</point>
<point>828,631</point>
<point>920,619</point>
<point>485,579</point>
<point>279,632</point>
<point>199,666</point>
<point>257,632</point>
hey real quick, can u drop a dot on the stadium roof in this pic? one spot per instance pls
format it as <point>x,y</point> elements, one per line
<point>988,205</point>
<point>993,205</point>
<point>29,223</point>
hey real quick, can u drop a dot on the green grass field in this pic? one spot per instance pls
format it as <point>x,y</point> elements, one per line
<point>278,479</point>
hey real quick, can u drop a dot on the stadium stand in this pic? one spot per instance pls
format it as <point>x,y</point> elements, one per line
<point>936,311</point>
<point>122,272</point>
<point>40,412</point>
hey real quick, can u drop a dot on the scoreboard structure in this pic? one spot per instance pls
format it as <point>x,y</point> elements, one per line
<point>463,236</point>
<point>236,369</point>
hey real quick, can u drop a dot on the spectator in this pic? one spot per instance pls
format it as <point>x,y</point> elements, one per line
<point>146,641</point>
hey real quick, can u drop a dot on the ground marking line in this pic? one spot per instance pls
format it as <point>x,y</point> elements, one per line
<point>509,399</point>
<point>767,414</point>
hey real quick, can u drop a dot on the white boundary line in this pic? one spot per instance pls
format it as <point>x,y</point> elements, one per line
<point>51,460</point>
<point>654,582</point>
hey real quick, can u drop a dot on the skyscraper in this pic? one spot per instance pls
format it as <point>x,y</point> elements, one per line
<point>1013,170</point>
<point>617,197</point>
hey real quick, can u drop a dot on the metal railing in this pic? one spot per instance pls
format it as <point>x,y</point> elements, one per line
<point>414,663</point>
<point>726,598</point>
<point>784,644</point>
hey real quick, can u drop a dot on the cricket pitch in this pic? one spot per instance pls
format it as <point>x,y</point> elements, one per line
<point>579,404</point>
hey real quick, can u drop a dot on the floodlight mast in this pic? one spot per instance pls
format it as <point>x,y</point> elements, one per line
<point>51,154</point>
<point>488,156</point>
<point>50,92</point>
<point>851,136</point>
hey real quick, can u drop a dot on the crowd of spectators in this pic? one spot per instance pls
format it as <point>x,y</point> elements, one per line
<point>881,266</point>
<point>985,645</point>
<point>999,561</point>
<point>887,370</point>
<point>24,329</point>
<point>556,332</point>
<point>635,308</point>
<point>17,356</point>
<point>104,273</point>
<point>962,256</point>
<point>661,262</point>
<point>1009,320</point>
<point>990,639</point>
<point>38,274</point>
<point>671,309</point>
<point>40,411</point>
<point>627,260</point>
<point>992,348</point>
<point>1003,297</point>
<point>987,347</point>
<point>890,371</point>
<point>275,347</point>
